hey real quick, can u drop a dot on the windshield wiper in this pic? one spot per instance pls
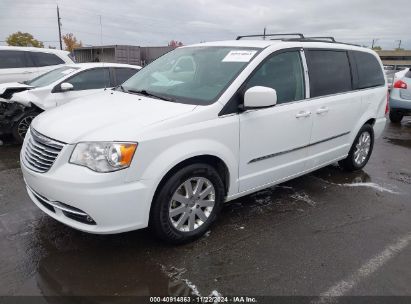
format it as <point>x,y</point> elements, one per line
<point>149,94</point>
<point>121,88</point>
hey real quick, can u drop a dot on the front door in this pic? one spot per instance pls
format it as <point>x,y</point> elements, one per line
<point>273,141</point>
<point>84,83</point>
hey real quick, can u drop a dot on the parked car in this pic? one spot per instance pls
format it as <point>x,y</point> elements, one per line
<point>400,98</point>
<point>167,152</point>
<point>21,102</point>
<point>25,63</point>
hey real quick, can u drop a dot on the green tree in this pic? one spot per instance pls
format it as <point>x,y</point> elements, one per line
<point>23,39</point>
<point>377,48</point>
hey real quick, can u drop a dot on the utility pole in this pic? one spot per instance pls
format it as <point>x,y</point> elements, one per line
<point>59,25</point>
<point>373,42</point>
<point>399,44</point>
<point>101,38</point>
<point>264,32</point>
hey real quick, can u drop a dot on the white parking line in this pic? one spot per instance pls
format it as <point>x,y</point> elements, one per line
<point>371,185</point>
<point>372,265</point>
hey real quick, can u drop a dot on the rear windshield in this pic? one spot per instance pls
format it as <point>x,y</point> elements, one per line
<point>408,75</point>
<point>52,76</point>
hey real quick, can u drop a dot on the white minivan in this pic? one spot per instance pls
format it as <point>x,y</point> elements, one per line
<point>167,151</point>
<point>24,63</point>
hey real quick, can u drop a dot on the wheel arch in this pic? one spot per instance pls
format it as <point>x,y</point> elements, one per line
<point>31,108</point>
<point>366,119</point>
<point>216,162</point>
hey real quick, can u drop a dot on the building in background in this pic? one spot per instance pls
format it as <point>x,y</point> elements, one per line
<point>397,59</point>
<point>130,54</point>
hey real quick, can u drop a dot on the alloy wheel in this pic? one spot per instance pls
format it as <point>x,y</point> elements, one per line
<point>362,148</point>
<point>191,204</point>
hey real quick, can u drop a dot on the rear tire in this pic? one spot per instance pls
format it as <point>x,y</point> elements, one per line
<point>187,204</point>
<point>20,127</point>
<point>360,151</point>
<point>395,117</point>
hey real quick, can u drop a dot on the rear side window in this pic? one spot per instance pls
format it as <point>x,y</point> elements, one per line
<point>284,73</point>
<point>122,74</point>
<point>13,59</point>
<point>92,79</point>
<point>369,70</point>
<point>46,59</point>
<point>329,72</point>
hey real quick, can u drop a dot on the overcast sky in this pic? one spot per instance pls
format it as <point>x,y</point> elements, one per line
<point>156,22</point>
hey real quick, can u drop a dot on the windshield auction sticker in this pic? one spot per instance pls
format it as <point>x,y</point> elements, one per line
<point>239,56</point>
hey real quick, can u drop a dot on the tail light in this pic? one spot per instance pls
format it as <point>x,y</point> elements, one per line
<point>387,105</point>
<point>399,84</point>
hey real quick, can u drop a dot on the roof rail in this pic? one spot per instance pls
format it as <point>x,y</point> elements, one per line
<point>271,35</point>
<point>301,38</point>
<point>319,39</point>
<point>322,38</point>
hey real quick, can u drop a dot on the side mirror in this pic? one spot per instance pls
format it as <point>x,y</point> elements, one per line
<point>65,86</point>
<point>260,97</point>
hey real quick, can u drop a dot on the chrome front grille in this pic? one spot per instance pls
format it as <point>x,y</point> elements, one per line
<point>41,151</point>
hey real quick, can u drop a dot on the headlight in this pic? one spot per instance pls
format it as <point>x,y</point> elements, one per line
<point>103,156</point>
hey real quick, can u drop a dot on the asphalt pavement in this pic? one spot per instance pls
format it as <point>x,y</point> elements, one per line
<point>329,233</point>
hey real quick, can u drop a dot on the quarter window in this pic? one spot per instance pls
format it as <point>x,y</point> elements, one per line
<point>46,59</point>
<point>284,73</point>
<point>329,72</point>
<point>369,70</point>
<point>91,79</point>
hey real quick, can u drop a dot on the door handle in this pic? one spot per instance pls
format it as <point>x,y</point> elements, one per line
<point>303,114</point>
<point>322,110</point>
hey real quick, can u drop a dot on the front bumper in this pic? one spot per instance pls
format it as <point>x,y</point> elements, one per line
<point>112,205</point>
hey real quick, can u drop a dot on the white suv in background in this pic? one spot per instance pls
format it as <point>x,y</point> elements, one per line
<point>24,63</point>
<point>167,151</point>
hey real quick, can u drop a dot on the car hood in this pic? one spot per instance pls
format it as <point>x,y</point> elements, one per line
<point>8,89</point>
<point>106,116</point>
<point>36,96</point>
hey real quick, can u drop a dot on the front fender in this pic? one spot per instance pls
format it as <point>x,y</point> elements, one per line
<point>159,166</point>
<point>32,98</point>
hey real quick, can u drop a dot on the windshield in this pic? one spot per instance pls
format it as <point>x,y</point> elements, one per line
<point>193,75</point>
<point>52,76</point>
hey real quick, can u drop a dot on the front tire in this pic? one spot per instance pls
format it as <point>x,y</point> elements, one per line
<point>21,126</point>
<point>187,204</point>
<point>395,117</point>
<point>360,151</point>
